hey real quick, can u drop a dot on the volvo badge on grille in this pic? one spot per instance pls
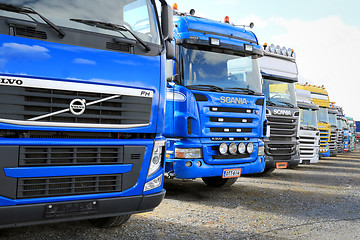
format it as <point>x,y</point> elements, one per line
<point>77,106</point>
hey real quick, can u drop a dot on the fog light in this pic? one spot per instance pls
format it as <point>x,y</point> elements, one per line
<point>188,164</point>
<point>198,163</point>
<point>223,148</point>
<point>241,147</point>
<point>232,148</point>
<point>156,182</point>
<point>250,147</point>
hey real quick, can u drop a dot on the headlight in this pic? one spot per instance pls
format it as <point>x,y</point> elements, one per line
<point>188,153</point>
<point>223,148</point>
<point>232,148</point>
<point>155,161</point>
<point>241,147</point>
<point>261,151</point>
<point>250,147</point>
<point>156,182</point>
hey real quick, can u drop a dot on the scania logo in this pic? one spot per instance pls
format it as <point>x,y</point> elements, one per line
<point>233,100</point>
<point>77,106</point>
<point>11,81</point>
<point>282,112</point>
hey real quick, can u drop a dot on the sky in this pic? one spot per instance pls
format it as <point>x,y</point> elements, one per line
<point>325,36</point>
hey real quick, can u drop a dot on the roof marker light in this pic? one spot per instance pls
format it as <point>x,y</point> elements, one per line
<point>175,6</point>
<point>283,51</point>
<point>289,52</point>
<point>192,12</point>
<point>226,19</point>
<point>272,48</point>
<point>278,49</point>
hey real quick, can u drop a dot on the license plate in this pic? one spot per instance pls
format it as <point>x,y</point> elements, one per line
<point>281,165</point>
<point>231,173</point>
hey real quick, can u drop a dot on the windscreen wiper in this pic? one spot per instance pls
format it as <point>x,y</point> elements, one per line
<point>310,128</point>
<point>113,27</point>
<point>246,90</point>
<point>202,86</point>
<point>270,103</point>
<point>288,104</point>
<point>28,10</point>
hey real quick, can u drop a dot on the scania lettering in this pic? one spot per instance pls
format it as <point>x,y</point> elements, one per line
<point>82,109</point>
<point>215,108</point>
<point>233,100</point>
<point>279,72</point>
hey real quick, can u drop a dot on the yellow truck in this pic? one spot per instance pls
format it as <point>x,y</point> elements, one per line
<point>320,97</point>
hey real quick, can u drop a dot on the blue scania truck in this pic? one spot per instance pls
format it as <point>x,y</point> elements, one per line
<point>82,107</point>
<point>215,111</point>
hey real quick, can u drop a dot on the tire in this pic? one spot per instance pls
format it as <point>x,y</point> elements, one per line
<point>219,181</point>
<point>110,222</point>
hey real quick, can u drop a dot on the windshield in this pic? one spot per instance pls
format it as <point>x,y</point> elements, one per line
<point>308,118</point>
<point>279,93</point>
<point>332,119</point>
<point>323,115</point>
<point>138,15</point>
<point>339,123</point>
<point>219,69</point>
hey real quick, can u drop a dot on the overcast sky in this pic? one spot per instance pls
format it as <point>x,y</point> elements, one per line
<point>324,34</point>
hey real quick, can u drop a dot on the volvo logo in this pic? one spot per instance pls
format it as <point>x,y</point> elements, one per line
<point>77,106</point>
<point>233,100</point>
<point>282,112</point>
<point>11,81</point>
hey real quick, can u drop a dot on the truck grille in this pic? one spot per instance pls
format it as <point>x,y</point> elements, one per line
<point>333,140</point>
<point>34,157</point>
<point>237,121</point>
<point>64,186</point>
<point>282,130</point>
<point>308,145</point>
<point>340,141</point>
<point>282,126</point>
<point>52,106</point>
<point>275,149</point>
<point>57,156</point>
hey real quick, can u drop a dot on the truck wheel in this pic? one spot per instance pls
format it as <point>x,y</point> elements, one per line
<point>219,181</point>
<point>110,222</point>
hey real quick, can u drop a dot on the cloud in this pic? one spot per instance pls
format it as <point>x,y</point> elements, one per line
<point>84,61</point>
<point>326,53</point>
<point>22,52</point>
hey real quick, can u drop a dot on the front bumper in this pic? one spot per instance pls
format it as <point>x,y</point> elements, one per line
<point>293,161</point>
<point>207,170</point>
<point>325,154</point>
<point>31,214</point>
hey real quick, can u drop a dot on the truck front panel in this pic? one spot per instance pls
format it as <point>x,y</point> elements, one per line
<point>82,110</point>
<point>213,99</point>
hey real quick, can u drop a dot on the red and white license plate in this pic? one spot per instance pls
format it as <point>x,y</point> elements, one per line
<point>231,173</point>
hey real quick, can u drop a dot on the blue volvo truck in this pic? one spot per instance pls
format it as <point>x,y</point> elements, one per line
<point>215,111</point>
<point>82,107</point>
